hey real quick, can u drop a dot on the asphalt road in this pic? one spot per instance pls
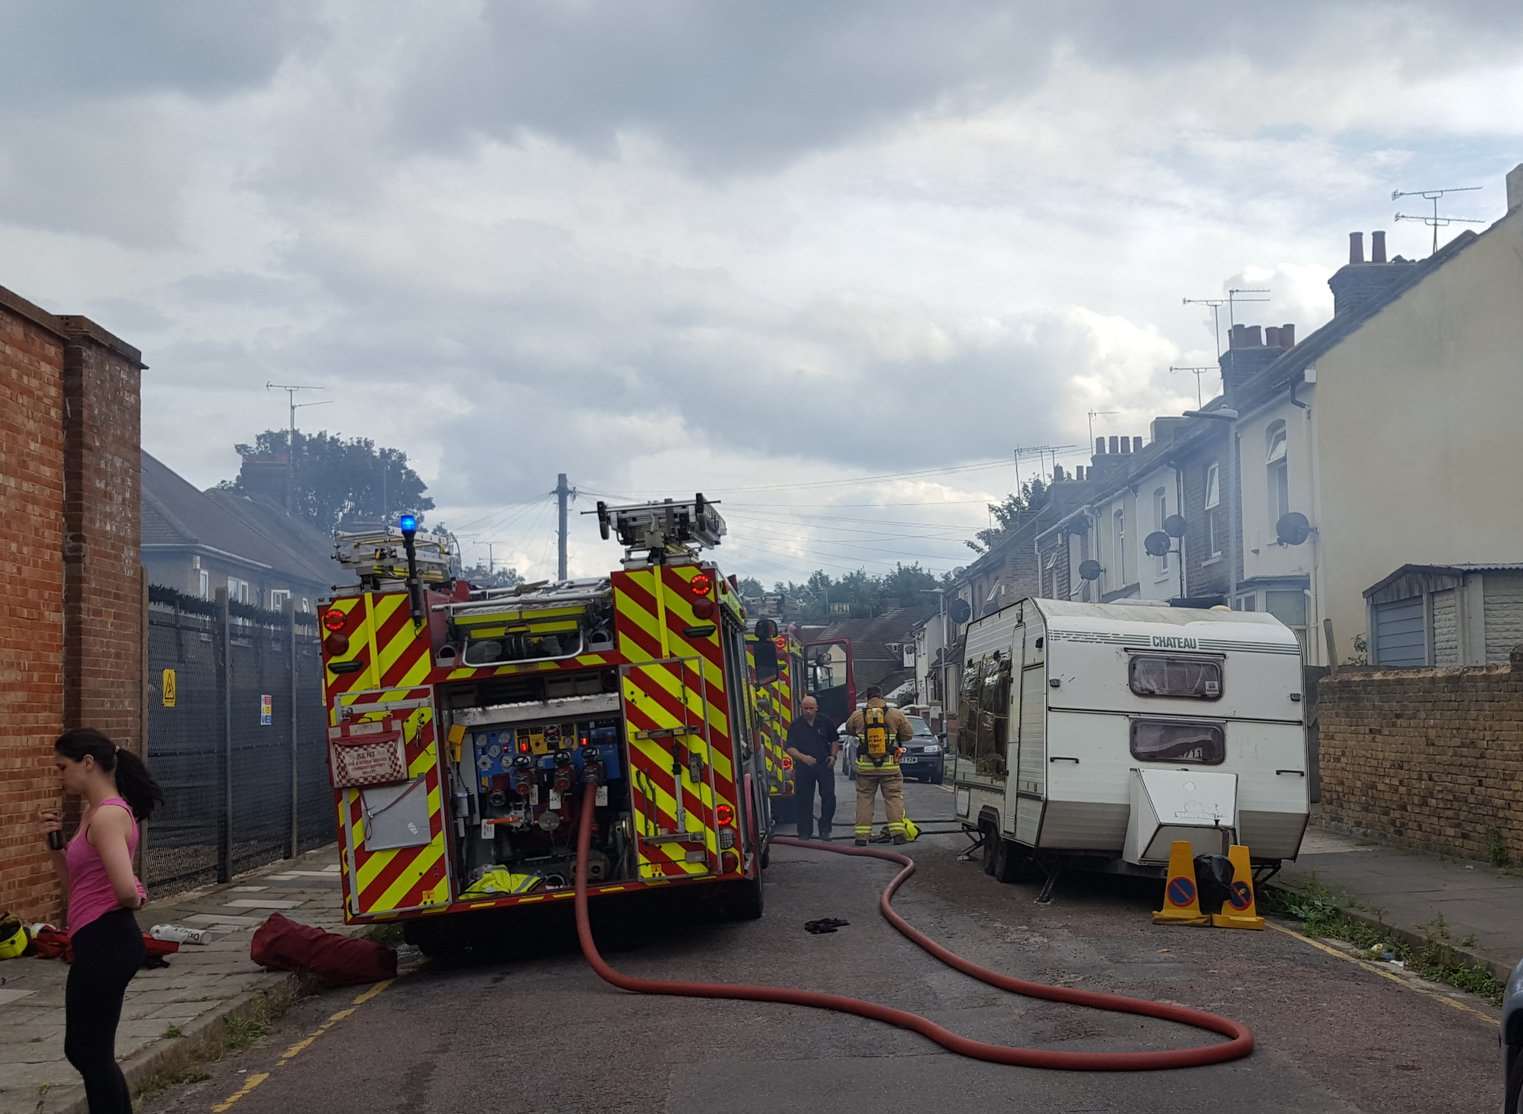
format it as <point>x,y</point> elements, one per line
<point>531,1029</point>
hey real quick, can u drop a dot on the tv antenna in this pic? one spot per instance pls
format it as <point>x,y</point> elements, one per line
<point>1233,300</point>
<point>1197,372</point>
<point>290,390</point>
<point>1093,414</point>
<point>1216,305</point>
<point>1435,221</point>
<point>1040,452</point>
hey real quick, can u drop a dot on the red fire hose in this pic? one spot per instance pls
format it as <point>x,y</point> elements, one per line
<point>1239,1045</point>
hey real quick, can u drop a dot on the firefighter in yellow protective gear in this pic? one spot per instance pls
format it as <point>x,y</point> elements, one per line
<point>879,730</point>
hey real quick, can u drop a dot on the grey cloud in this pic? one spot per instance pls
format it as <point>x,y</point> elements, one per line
<point>56,51</point>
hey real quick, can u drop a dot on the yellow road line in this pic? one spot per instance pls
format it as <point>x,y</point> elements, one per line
<point>302,1045</point>
<point>1391,976</point>
<point>248,1085</point>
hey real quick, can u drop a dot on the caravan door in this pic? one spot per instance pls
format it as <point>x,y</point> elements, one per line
<point>1025,791</point>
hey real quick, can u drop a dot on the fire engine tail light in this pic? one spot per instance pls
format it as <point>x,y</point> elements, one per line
<point>701,584</point>
<point>337,645</point>
<point>333,619</point>
<point>703,609</point>
<point>787,762</point>
<point>725,815</point>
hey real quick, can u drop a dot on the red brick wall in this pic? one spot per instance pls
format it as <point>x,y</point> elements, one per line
<point>103,614</point>
<point>1430,758</point>
<point>31,609</point>
<point>71,620</point>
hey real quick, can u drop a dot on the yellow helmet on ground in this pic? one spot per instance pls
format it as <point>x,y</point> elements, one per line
<point>13,937</point>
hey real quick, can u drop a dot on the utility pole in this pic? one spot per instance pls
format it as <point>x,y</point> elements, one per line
<point>563,495</point>
<point>290,390</point>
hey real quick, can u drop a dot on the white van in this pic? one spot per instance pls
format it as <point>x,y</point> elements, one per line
<point>1104,732</point>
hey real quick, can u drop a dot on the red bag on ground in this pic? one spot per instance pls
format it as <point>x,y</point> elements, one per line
<point>284,945</point>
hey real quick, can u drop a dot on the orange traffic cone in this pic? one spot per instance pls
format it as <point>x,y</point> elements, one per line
<point>1239,910</point>
<point>1181,896</point>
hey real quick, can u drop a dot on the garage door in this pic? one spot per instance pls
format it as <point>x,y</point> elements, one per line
<point>1399,633</point>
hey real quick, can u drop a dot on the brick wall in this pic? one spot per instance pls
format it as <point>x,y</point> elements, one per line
<point>1203,576</point>
<point>71,622</point>
<point>1430,758</point>
<point>103,589</point>
<point>31,610</point>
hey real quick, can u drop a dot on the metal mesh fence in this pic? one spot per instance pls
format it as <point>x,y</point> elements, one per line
<point>236,739</point>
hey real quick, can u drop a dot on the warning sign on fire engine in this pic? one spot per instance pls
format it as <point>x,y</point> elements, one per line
<point>167,688</point>
<point>266,710</point>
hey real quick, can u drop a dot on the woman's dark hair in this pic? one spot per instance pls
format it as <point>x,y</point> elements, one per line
<point>133,781</point>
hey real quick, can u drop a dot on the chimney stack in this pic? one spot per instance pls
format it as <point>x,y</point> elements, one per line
<point>1515,187</point>
<point>1356,247</point>
<point>1378,247</point>
<point>1115,445</point>
<point>1361,283</point>
<point>1247,355</point>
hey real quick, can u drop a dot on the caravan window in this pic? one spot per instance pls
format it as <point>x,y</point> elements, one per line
<point>1162,675</point>
<point>1176,741</point>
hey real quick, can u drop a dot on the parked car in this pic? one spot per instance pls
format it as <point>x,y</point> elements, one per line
<point>1512,1043</point>
<point>923,754</point>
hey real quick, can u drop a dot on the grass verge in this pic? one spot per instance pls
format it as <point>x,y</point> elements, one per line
<point>1434,955</point>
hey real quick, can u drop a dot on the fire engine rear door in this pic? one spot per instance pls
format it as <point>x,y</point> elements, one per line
<point>671,768</point>
<point>384,758</point>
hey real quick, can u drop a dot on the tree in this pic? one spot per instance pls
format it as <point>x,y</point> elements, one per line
<point>337,478</point>
<point>479,576</point>
<point>751,588</point>
<point>1010,514</point>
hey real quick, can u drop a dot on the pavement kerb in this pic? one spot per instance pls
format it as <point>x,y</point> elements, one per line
<point>1499,969</point>
<point>203,1039</point>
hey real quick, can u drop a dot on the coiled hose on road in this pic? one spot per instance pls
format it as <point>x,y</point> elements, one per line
<point>1239,1044</point>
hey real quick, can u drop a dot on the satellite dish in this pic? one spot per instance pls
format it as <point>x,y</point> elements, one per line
<point>1292,528</point>
<point>959,611</point>
<point>1090,570</point>
<point>1156,544</point>
<point>1174,526</point>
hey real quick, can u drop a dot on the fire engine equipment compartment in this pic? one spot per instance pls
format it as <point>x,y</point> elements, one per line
<point>517,784</point>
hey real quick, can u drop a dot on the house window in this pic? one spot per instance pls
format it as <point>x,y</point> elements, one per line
<point>1118,548</point>
<point>306,605</point>
<point>1177,741</point>
<point>203,584</point>
<point>1161,512</point>
<point>1289,606</point>
<point>238,591</point>
<point>1278,468</point>
<point>1213,503</point>
<point>278,598</point>
<point>1051,567</point>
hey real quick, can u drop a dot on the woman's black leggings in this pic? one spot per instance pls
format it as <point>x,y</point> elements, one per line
<point>107,953</point>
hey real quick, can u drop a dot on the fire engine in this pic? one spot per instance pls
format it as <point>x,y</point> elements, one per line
<point>466,725</point>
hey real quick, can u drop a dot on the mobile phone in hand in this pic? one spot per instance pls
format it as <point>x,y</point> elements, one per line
<point>55,840</point>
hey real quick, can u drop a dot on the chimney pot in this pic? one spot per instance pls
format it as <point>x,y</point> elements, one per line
<point>1288,335</point>
<point>1078,471</point>
<point>1136,444</point>
<point>1235,339</point>
<point>1099,446</point>
<point>1377,247</point>
<point>1126,446</point>
<point>1253,336</point>
<point>1356,247</point>
<point>1115,445</point>
<point>1272,336</point>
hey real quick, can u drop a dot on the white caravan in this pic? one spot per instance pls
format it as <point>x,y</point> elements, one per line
<point>1104,732</point>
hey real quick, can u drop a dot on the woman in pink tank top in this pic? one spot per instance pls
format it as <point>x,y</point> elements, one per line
<point>96,869</point>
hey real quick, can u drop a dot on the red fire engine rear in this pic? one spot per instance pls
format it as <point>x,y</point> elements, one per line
<point>465,727</point>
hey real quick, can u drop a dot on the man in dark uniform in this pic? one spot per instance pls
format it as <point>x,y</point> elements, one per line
<point>813,746</point>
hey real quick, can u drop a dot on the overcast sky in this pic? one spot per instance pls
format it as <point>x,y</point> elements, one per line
<point>758,249</point>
